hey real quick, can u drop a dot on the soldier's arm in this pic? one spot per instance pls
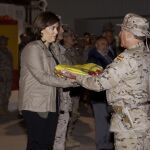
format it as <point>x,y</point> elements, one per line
<point>112,75</point>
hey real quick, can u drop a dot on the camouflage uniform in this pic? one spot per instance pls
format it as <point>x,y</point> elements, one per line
<point>127,87</point>
<point>65,103</point>
<point>74,57</point>
<point>6,71</point>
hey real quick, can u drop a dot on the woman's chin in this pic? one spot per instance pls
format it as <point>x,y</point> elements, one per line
<point>52,40</point>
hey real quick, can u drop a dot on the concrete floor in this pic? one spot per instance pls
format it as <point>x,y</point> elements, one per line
<point>13,133</point>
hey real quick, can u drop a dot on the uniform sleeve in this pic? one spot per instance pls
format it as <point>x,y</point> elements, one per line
<point>116,72</point>
<point>33,59</point>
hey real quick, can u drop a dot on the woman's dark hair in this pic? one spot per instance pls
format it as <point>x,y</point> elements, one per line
<point>42,21</point>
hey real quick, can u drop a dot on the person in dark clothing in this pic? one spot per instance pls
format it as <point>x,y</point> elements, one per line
<point>6,75</point>
<point>112,51</point>
<point>99,56</point>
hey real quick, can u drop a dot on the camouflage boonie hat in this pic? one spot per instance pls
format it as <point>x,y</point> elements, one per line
<point>136,24</point>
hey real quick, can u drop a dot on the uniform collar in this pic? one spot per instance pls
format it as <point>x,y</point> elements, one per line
<point>139,46</point>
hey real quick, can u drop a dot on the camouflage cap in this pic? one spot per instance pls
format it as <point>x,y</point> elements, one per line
<point>136,24</point>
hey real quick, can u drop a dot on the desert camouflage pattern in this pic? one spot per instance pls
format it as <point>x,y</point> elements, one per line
<point>65,103</point>
<point>60,137</point>
<point>74,56</point>
<point>60,51</point>
<point>132,141</point>
<point>136,24</point>
<point>127,87</point>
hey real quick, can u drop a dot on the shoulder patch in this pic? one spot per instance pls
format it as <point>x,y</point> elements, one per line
<point>119,57</point>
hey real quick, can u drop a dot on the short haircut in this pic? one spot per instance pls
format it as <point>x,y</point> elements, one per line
<point>42,21</point>
<point>100,38</point>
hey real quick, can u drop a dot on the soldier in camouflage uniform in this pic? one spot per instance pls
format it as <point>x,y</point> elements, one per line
<point>74,56</point>
<point>127,82</point>
<point>63,56</point>
<point>65,100</point>
<point>6,70</point>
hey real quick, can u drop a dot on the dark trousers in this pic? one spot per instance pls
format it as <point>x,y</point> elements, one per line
<point>40,131</point>
<point>102,126</point>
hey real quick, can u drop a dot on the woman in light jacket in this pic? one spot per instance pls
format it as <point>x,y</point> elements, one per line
<point>38,83</point>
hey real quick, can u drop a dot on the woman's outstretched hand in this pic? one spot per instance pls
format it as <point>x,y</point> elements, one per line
<point>67,74</point>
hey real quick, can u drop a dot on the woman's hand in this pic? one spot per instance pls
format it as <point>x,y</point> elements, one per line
<point>67,74</point>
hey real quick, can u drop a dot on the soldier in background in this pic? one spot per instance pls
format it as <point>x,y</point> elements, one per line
<point>126,83</point>
<point>6,74</point>
<point>64,94</point>
<point>109,35</point>
<point>73,55</point>
<point>65,108</point>
<point>99,56</point>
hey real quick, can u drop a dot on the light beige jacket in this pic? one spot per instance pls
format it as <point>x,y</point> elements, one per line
<point>37,85</point>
